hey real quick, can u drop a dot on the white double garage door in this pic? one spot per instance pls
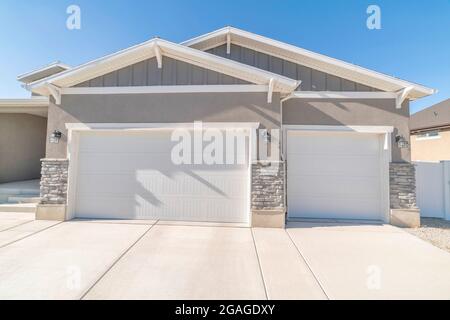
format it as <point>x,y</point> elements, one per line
<point>131,175</point>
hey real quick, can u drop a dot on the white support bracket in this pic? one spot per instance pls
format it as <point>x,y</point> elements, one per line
<point>55,92</point>
<point>270,91</point>
<point>228,43</point>
<point>158,55</point>
<point>401,96</point>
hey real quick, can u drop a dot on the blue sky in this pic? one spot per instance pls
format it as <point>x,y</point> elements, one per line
<point>413,44</point>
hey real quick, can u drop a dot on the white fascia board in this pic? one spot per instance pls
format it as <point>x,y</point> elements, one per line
<point>342,95</point>
<point>324,63</point>
<point>34,106</point>
<point>207,36</point>
<point>164,89</point>
<point>44,68</point>
<point>31,102</point>
<point>146,50</point>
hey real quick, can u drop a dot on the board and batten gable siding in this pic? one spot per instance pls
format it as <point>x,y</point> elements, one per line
<point>173,72</point>
<point>312,80</point>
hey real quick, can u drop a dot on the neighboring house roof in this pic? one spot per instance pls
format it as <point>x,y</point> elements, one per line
<point>43,72</point>
<point>307,58</point>
<point>436,116</point>
<point>35,105</point>
<point>157,48</point>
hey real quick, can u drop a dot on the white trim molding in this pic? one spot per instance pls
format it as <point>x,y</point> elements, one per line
<point>29,102</point>
<point>158,55</point>
<point>360,129</point>
<point>55,92</point>
<point>402,95</point>
<point>341,95</point>
<point>165,89</point>
<point>158,126</point>
<point>35,106</point>
<point>270,90</point>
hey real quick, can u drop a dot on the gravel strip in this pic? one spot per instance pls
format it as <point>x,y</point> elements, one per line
<point>435,231</point>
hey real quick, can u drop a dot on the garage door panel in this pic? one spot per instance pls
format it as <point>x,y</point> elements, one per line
<point>133,162</point>
<point>333,165</point>
<point>165,208</point>
<point>335,208</point>
<point>335,186</point>
<point>128,143</point>
<point>334,175</point>
<point>339,143</point>
<point>177,184</point>
<point>132,176</point>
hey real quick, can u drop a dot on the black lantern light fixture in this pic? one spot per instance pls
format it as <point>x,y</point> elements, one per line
<point>55,137</point>
<point>402,143</point>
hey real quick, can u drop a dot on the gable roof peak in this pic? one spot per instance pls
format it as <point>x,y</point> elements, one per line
<point>307,58</point>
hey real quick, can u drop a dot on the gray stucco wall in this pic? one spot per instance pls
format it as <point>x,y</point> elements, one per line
<point>160,108</point>
<point>312,80</point>
<point>22,145</point>
<point>370,112</point>
<point>173,72</point>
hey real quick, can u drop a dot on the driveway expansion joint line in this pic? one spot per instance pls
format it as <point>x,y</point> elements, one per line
<point>117,260</point>
<point>21,224</point>
<point>309,266</point>
<point>259,265</point>
<point>30,235</point>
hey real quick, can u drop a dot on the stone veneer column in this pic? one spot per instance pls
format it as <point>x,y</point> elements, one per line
<point>402,179</point>
<point>268,194</point>
<point>54,177</point>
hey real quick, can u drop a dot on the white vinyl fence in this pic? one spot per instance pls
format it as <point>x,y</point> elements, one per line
<point>433,189</point>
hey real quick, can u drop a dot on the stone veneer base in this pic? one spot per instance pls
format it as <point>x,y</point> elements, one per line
<point>405,218</point>
<point>52,212</point>
<point>269,219</point>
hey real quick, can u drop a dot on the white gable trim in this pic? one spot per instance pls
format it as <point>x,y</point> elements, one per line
<point>165,89</point>
<point>341,95</point>
<point>151,49</point>
<point>307,58</point>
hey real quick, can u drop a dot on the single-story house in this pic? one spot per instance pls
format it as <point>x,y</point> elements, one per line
<point>430,133</point>
<point>339,133</point>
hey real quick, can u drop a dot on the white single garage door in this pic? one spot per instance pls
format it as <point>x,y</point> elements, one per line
<point>334,175</point>
<point>130,175</point>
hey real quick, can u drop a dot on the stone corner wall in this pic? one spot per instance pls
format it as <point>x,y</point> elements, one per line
<point>402,179</point>
<point>54,177</point>
<point>268,185</point>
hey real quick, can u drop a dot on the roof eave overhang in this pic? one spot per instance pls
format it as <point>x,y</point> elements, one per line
<point>35,106</point>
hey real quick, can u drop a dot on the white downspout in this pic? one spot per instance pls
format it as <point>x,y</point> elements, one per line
<point>283,158</point>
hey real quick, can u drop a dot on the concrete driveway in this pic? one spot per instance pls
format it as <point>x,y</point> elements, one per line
<point>160,260</point>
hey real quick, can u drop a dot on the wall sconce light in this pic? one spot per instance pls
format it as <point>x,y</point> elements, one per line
<point>266,136</point>
<point>402,143</point>
<point>55,137</point>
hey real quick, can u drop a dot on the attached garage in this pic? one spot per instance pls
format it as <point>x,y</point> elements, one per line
<point>338,174</point>
<point>129,174</point>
